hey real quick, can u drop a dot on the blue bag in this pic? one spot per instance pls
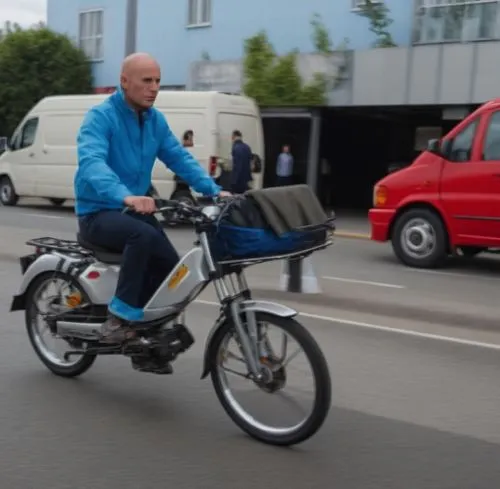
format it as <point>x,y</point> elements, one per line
<point>241,233</point>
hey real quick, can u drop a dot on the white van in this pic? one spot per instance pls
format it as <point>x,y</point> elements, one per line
<point>41,157</point>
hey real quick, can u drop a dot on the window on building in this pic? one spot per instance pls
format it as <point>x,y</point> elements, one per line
<point>199,12</point>
<point>491,147</point>
<point>357,4</point>
<point>455,20</point>
<point>91,34</point>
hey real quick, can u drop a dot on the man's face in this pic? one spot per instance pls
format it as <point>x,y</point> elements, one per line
<point>142,83</point>
<point>286,149</point>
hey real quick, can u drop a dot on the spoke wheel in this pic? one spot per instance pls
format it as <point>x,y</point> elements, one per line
<point>50,294</point>
<point>276,375</point>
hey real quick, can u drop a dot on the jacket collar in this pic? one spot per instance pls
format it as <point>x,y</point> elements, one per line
<point>118,98</point>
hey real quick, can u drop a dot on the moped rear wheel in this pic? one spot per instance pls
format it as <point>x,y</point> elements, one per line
<point>66,294</point>
<point>277,376</point>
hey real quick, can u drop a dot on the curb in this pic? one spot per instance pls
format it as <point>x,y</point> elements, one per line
<point>352,235</point>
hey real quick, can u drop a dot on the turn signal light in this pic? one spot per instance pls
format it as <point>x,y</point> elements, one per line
<point>380,196</point>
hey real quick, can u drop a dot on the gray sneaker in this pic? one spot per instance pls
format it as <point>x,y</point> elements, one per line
<point>114,331</point>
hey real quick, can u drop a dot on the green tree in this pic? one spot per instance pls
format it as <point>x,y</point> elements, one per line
<point>378,15</point>
<point>274,80</point>
<point>320,36</point>
<point>36,63</point>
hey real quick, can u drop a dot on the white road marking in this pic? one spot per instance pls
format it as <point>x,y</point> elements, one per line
<point>450,274</point>
<point>364,282</point>
<point>43,216</point>
<point>386,329</point>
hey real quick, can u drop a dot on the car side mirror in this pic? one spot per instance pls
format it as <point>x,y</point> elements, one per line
<point>434,146</point>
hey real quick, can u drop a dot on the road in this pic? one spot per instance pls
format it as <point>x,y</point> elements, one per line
<point>415,401</point>
<point>408,412</point>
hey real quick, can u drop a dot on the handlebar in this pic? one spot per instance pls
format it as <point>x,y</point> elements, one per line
<point>187,210</point>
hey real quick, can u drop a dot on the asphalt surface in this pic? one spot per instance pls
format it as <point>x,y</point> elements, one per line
<point>415,402</point>
<point>408,412</point>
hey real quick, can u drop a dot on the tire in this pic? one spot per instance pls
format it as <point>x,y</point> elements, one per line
<point>471,251</point>
<point>322,401</point>
<point>57,202</point>
<point>8,194</point>
<point>181,196</point>
<point>420,220</point>
<point>81,365</point>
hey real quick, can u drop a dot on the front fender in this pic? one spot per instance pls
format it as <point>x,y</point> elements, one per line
<point>43,264</point>
<point>251,305</point>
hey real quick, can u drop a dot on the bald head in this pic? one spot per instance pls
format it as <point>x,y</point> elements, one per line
<point>140,80</point>
<point>138,61</point>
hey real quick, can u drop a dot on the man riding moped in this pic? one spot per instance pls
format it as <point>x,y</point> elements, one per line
<point>118,143</point>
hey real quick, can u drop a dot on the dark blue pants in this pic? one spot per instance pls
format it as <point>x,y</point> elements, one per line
<point>283,181</point>
<point>148,256</point>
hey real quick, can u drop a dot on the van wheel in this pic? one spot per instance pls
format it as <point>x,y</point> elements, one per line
<point>180,196</point>
<point>419,239</point>
<point>58,202</point>
<point>8,194</point>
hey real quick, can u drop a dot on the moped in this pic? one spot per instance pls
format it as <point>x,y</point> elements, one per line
<point>85,277</point>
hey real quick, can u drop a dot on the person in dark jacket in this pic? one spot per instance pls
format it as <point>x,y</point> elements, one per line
<point>241,173</point>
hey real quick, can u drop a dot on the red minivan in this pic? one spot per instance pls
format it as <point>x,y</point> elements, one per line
<point>447,202</point>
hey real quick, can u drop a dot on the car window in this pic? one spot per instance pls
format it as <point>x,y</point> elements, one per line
<point>460,149</point>
<point>491,146</point>
<point>28,133</point>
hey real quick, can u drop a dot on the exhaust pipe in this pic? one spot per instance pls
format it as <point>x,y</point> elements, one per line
<point>84,331</point>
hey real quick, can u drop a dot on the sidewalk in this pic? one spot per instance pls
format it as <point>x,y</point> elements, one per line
<point>352,224</point>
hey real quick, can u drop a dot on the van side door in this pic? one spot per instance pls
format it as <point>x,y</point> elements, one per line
<point>470,182</point>
<point>22,157</point>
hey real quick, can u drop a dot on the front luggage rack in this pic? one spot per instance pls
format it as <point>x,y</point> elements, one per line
<point>48,243</point>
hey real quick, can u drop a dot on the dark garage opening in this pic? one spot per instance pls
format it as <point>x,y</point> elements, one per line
<point>358,144</point>
<point>286,130</point>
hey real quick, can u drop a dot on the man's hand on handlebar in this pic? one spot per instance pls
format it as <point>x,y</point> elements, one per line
<point>224,193</point>
<point>141,205</point>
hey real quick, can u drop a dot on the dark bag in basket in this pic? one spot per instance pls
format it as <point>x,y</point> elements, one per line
<point>244,231</point>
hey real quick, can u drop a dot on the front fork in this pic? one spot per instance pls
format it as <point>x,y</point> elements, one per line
<point>248,338</point>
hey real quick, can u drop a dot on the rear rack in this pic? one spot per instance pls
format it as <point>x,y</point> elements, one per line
<point>61,245</point>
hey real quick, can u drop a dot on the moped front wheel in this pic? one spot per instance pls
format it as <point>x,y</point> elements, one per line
<point>277,375</point>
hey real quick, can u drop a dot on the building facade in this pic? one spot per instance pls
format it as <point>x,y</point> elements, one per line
<point>445,54</point>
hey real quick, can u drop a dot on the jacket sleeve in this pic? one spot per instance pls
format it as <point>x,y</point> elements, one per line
<point>92,148</point>
<point>181,162</point>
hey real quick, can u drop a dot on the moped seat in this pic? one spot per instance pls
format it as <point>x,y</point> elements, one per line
<point>105,255</point>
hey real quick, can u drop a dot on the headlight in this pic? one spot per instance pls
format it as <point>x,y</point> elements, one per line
<point>379,195</point>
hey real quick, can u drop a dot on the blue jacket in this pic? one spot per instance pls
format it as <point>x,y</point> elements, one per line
<point>116,155</point>
<point>242,161</point>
